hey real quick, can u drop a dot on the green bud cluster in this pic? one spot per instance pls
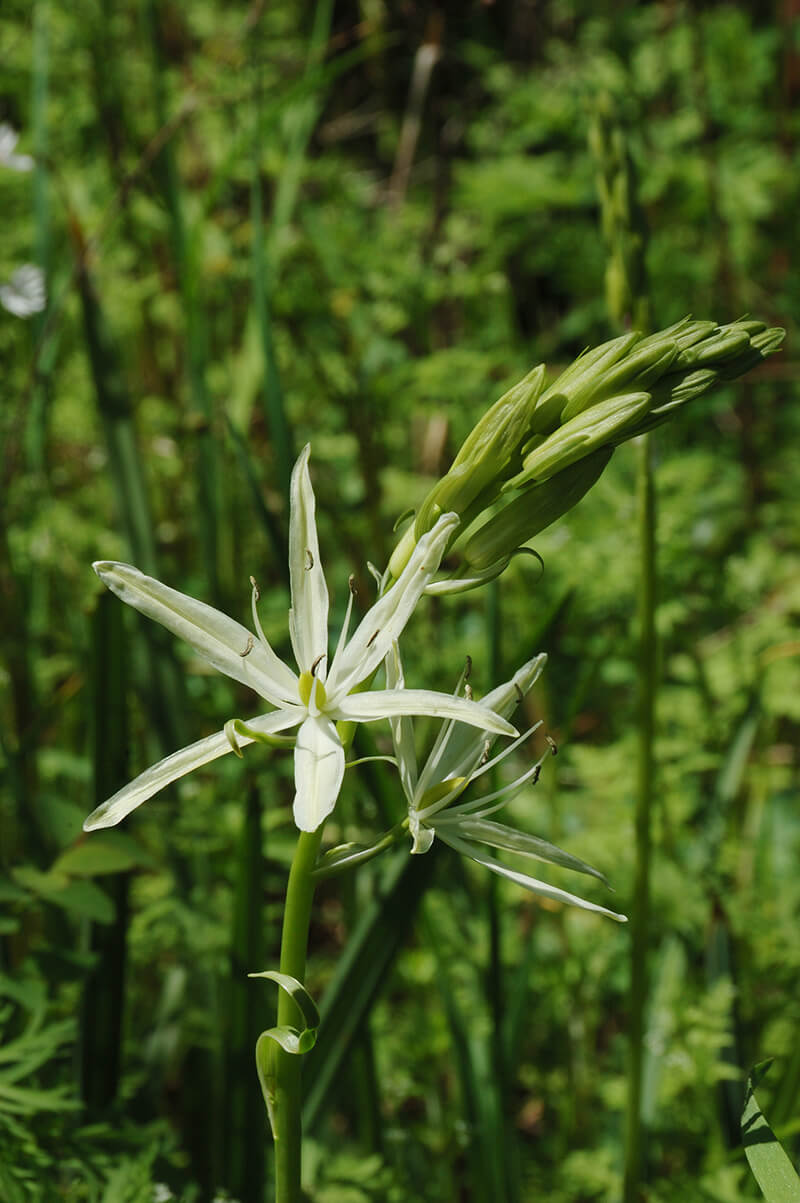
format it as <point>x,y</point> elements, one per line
<point>540,450</point>
<point>488,456</point>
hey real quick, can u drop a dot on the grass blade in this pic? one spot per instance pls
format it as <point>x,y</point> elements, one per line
<point>360,972</point>
<point>772,1169</point>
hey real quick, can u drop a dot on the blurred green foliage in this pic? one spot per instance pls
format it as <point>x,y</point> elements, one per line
<point>377,313</point>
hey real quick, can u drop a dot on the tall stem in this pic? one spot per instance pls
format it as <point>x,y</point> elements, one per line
<point>294,943</point>
<point>640,917</point>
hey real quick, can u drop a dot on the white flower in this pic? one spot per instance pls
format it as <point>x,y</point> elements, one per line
<point>459,757</point>
<point>24,294</point>
<point>8,140</point>
<point>313,701</point>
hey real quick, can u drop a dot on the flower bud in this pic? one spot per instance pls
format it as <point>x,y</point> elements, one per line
<point>596,427</point>
<point>489,454</point>
<point>538,507</point>
<point>582,375</point>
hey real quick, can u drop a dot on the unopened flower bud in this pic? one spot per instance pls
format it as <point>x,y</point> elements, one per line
<point>596,427</point>
<point>489,454</point>
<point>584,374</point>
<point>534,510</point>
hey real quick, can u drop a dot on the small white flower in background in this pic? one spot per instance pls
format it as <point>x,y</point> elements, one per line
<point>161,1193</point>
<point>459,757</point>
<point>25,293</point>
<point>8,140</point>
<point>316,699</point>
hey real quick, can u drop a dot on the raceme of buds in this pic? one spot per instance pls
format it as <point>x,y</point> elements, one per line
<point>591,403</point>
<point>550,446</point>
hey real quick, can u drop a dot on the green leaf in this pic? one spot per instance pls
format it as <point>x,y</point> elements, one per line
<point>105,852</point>
<point>82,898</point>
<point>772,1169</point>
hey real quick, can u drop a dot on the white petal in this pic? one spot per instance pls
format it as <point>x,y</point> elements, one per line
<point>386,703</point>
<point>179,764</point>
<point>25,293</point>
<point>523,879</point>
<point>422,837</point>
<point>505,698</point>
<point>318,772</point>
<point>8,140</point>
<point>384,622</point>
<point>308,617</point>
<point>402,728</point>
<point>220,640</point>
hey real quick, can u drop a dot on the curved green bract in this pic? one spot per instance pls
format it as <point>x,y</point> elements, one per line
<point>308,1009</point>
<point>292,1040</point>
<point>237,726</point>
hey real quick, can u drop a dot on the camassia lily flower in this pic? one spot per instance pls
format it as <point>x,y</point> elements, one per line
<point>459,757</point>
<point>313,700</point>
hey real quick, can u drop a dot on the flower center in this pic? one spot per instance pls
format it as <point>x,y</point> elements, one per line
<point>306,685</point>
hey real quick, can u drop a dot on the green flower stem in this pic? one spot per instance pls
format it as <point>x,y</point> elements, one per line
<point>294,943</point>
<point>640,911</point>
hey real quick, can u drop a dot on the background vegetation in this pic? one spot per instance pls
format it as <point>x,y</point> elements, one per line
<point>356,224</point>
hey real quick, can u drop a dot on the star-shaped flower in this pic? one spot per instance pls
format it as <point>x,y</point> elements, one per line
<point>460,756</point>
<point>313,700</point>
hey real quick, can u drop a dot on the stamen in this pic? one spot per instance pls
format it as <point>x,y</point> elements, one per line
<point>487,747</point>
<point>255,596</point>
<point>375,573</point>
<point>519,694</point>
<point>505,794</point>
<point>309,560</point>
<point>351,581</point>
<point>439,749</point>
<point>468,692</point>
<point>317,663</point>
<point>552,744</point>
<point>512,747</point>
<point>373,637</point>
<point>346,624</point>
<point>249,648</point>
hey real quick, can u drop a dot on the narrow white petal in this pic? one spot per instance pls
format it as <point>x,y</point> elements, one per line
<point>384,622</point>
<point>523,879</point>
<point>318,772</point>
<point>386,703</point>
<point>179,764</point>
<point>308,617</point>
<point>25,293</point>
<point>220,640</point>
<point>506,697</point>
<point>402,728</point>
